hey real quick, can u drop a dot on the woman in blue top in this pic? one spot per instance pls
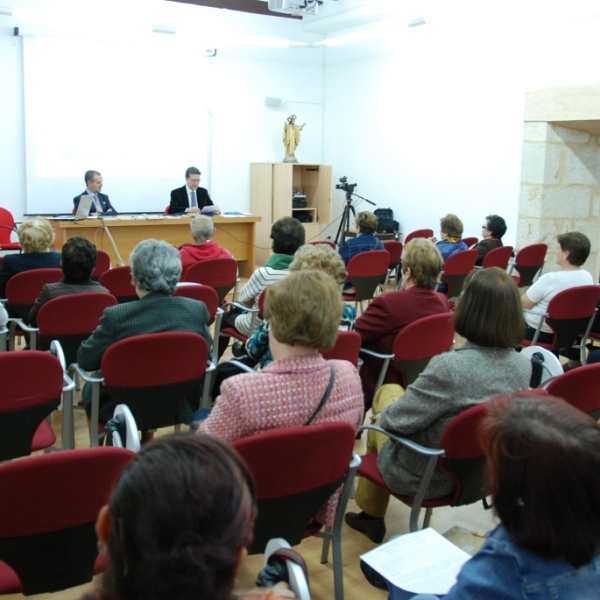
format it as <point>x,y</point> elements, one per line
<point>451,230</point>
<point>366,223</point>
<point>544,466</point>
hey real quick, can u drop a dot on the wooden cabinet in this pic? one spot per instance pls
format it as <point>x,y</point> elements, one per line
<point>272,186</point>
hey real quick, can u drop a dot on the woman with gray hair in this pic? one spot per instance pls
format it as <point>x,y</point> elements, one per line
<point>155,271</point>
<point>204,247</point>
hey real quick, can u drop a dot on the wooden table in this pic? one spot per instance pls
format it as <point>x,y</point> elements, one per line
<point>234,233</point>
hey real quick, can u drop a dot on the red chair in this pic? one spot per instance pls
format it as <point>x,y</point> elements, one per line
<point>469,241</point>
<point>459,454</point>
<point>347,347</point>
<point>219,273</point>
<point>498,257</point>
<point>570,312</point>
<point>296,470</point>
<point>366,272</point>
<point>395,249</point>
<point>419,233</point>
<point>32,386</point>
<point>71,319</point>
<point>529,264</point>
<point>326,242</point>
<point>49,505</point>
<point>7,227</point>
<point>580,388</point>
<point>456,269</point>
<point>102,265</point>
<point>22,290</point>
<point>257,313</point>
<point>118,282</point>
<point>415,346</point>
<point>152,374</point>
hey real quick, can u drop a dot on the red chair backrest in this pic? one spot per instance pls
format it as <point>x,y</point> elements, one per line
<point>347,347</point>
<point>203,293</point>
<point>469,241</point>
<point>498,257</point>
<point>102,264</point>
<point>7,228</point>
<point>49,505</point>
<point>419,341</point>
<point>218,273</point>
<point>326,242</point>
<point>579,387</point>
<point>367,270</point>
<point>532,255</point>
<point>118,282</point>
<point>460,263</point>
<point>419,233</point>
<point>24,288</point>
<point>73,313</point>
<point>394,247</point>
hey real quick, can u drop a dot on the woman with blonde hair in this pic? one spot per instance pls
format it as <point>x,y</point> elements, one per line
<point>36,237</point>
<point>299,387</point>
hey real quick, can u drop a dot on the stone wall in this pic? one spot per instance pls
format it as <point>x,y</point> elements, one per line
<point>560,189</point>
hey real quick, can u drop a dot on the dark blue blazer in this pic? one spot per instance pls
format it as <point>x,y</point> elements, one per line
<point>104,202</point>
<point>179,200</point>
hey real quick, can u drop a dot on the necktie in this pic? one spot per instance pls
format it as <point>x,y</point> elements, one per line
<point>97,203</point>
<point>194,202</point>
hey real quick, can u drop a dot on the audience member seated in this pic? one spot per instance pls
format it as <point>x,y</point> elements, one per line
<point>36,237</point>
<point>78,261</point>
<point>155,271</point>
<point>178,523</point>
<point>204,247</point>
<point>451,230</point>
<point>365,240</point>
<point>299,387</point>
<point>543,463</point>
<point>389,313</point>
<point>491,232</point>
<point>287,234</point>
<point>572,251</point>
<point>308,257</point>
<point>490,317</point>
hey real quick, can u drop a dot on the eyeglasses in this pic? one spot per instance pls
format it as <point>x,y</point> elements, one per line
<point>484,227</point>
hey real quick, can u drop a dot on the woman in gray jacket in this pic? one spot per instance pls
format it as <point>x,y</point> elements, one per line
<point>489,315</point>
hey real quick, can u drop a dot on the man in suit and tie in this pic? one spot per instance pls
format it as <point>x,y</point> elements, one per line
<point>190,198</point>
<point>100,204</point>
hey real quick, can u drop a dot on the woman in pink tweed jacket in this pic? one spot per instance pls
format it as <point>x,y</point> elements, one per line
<point>304,311</point>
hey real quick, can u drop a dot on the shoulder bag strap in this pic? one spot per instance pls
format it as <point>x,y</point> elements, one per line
<point>325,396</point>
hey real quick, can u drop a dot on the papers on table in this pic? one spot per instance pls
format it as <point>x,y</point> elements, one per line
<point>423,562</point>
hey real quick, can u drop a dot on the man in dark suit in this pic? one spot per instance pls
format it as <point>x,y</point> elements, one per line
<point>155,271</point>
<point>101,204</point>
<point>190,198</point>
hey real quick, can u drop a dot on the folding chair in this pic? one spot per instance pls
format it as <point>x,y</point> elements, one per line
<point>570,312</point>
<point>459,454</point>
<point>221,274</point>
<point>498,257</point>
<point>470,241</point>
<point>347,347</point>
<point>118,282</point>
<point>102,265</point>
<point>296,471</point>
<point>415,346</point>
<point>580,388</point>
<point>32,385</point>
<point>7,228</point>
<point>152,374</point>
<point>49,505</point>
<point>456,269</point>
<point>529,264</point>
<point>366,272</point>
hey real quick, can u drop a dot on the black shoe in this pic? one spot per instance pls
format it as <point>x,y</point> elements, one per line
<point>372,527</point>
<point>238,349</point>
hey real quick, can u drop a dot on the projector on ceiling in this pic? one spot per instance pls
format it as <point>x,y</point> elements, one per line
<point>294,7</point>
